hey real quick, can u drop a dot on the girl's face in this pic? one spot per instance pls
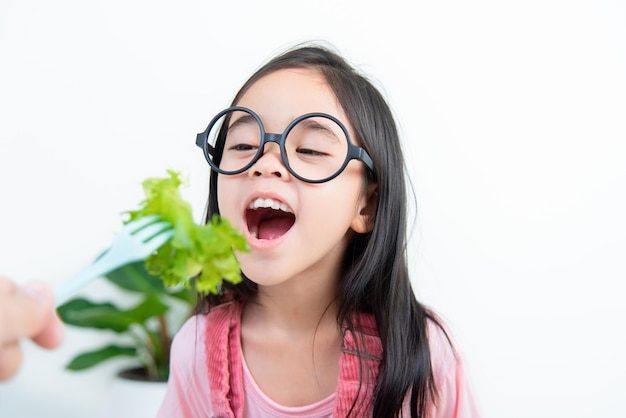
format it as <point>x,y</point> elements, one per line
<point>296,230</point>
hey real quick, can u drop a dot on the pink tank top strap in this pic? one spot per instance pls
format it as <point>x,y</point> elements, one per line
<point>362,353</point>
<point>222,344</point>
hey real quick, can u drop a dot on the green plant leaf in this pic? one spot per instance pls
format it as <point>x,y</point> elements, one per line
<point>148,308</point>
<point>136,278</point>
<point>81,312</point>
<point>86,360</point>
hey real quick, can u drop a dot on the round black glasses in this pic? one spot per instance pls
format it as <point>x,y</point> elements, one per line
<point>314,148</point>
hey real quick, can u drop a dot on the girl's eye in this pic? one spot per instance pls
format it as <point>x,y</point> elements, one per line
<point>311,152</point>
<point>242,147</point>
<point>243,134</point>
<point>242,140</point>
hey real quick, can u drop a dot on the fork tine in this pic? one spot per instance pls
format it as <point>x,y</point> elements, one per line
<point>137,240</point>
<point>149,231</point>
<point>136,225</point>
<point>158,240</point>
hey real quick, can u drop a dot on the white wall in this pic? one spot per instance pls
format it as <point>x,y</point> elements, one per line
<point>513,115</point>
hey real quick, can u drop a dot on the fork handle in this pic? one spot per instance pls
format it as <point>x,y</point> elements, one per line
<point>97,269</point>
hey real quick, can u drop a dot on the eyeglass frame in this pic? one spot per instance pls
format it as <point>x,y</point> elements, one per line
<point>354,152</point>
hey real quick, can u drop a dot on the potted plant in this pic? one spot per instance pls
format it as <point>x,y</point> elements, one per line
<point>145,330</point>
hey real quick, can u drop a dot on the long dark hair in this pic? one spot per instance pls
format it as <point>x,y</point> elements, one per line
<point>375,278</point>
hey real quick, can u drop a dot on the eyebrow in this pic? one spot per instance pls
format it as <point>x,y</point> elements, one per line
<point>245,119</point>
<point>314,124</point>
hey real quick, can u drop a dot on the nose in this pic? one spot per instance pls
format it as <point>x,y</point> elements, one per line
<point>270,163</point>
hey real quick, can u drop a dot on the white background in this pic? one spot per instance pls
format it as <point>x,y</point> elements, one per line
<point>513,117</point>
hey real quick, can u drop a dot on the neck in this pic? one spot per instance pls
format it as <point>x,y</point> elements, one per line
<point>291,342</point>
<point>294,307</point>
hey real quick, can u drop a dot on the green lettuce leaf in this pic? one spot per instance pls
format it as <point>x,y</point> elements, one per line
<point>204,252</point>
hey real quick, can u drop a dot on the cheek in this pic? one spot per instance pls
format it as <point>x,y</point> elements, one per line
<point>337,206</point>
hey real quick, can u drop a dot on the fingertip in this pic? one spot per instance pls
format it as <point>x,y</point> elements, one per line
<point>52,334</point>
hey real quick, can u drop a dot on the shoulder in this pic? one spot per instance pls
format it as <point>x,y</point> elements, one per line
<point>187,346</point>
<point>454,395</point>
<point>196,378</point>
<point>444,354</point>
<point>187,380</point>
<point>192,334</point>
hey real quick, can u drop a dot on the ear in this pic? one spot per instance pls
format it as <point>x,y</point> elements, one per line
<point>365,219</point>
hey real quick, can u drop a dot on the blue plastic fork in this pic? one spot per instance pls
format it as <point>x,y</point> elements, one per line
<point>136,241</point>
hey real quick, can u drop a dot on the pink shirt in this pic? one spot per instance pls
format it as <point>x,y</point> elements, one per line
<point>203,383</point>
<point>257,404</point>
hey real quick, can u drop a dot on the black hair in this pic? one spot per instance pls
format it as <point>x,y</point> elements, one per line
<point>375,273</point>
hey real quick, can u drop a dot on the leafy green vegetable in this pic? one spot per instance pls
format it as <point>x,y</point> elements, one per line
<point>205,251</point>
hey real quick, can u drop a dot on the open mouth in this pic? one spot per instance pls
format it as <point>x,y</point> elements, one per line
<point>269,219</point>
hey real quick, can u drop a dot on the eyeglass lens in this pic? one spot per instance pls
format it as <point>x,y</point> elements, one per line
<point>315,148</point>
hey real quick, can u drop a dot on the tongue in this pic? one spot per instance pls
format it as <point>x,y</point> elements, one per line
<point>274,227</point>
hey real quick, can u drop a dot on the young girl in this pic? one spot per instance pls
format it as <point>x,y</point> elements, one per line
<point>308,165</point>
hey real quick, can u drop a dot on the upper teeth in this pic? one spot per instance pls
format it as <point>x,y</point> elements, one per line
<point>269,203</point>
